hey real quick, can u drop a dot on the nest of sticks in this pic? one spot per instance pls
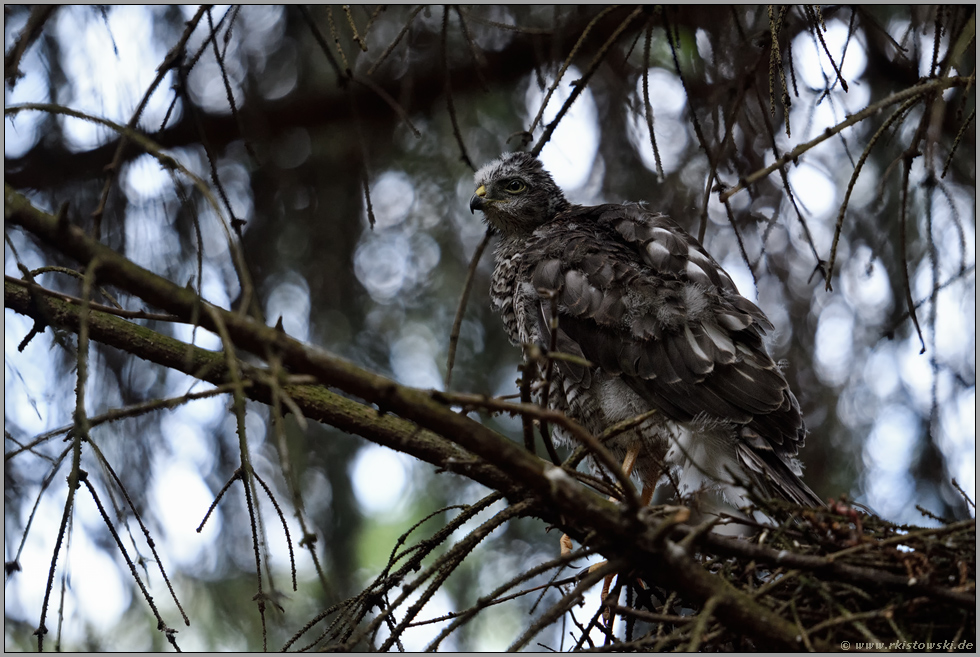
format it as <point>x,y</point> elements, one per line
<point>844,578</point>
<point>850,580</point>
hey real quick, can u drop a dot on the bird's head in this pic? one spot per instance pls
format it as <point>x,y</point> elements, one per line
<point>516,194</point>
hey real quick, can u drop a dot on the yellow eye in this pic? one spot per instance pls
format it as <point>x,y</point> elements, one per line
<point>515,186</point>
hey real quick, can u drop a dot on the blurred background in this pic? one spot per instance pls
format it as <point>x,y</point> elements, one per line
<point>295,112</point>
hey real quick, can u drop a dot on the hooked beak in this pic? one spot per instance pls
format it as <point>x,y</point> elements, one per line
<point>478,201</point>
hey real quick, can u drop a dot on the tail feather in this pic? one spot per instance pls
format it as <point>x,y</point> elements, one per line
<point>777,477</point>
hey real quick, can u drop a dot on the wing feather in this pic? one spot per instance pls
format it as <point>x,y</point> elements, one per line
<point>641,299</point>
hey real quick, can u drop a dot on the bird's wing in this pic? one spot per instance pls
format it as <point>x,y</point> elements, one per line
<point>641,299</point>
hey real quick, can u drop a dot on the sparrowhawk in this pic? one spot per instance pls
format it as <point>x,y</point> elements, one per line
<point>656,324</point>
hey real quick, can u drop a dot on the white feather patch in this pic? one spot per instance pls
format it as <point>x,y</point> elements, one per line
<point>657,254</point>
<point>695,347</point>
<point>722,341</point>
<point>696,274</point>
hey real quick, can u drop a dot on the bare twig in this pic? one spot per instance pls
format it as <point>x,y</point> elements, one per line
<point>461,307</point>
<point>358,39</point>
<point>566,64</point>
<point>139,520</point>
<point>816,23</point>
<point>167,631</point>
<point>898,114</point>
<point>442,568</point>
<point>647,107</point>
<point>336,42</point>
<point>80,434</point>
<point>285,526</point>
<point>394,42</point>
<point>904,248</point>
<point>13,565</point>
<point>916,91</point>
<point>343,78</point>
<point>581,83</point>
<point>172,60</point>
<point>957,140</point>
<point>556,611</point>
<point>120,312</point>
<point>32,30</point>
<point>449,91</point>
<point>229,94</point>
<point>121,413</point>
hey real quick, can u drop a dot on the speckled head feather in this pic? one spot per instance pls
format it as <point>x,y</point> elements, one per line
<point>516,194</point>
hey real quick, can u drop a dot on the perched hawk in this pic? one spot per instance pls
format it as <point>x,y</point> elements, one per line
<point>661,323</point>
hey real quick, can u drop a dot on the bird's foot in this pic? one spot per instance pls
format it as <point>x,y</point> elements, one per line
<point>566,544</point>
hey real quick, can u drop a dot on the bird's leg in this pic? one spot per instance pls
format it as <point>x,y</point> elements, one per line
<point>647,493</point>
<point>630,461</point>
<point>628,464</point>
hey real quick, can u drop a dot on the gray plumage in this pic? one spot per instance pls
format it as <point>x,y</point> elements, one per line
<point>663,326</point>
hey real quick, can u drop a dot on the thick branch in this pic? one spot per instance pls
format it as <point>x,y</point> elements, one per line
<point>316,402</point>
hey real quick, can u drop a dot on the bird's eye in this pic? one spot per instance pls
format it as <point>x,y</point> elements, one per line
<point>515,186</point>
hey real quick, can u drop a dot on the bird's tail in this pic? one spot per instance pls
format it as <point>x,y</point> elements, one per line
<point>776,477</point>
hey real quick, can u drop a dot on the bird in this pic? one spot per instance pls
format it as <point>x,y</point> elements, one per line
<point>651,324</point>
